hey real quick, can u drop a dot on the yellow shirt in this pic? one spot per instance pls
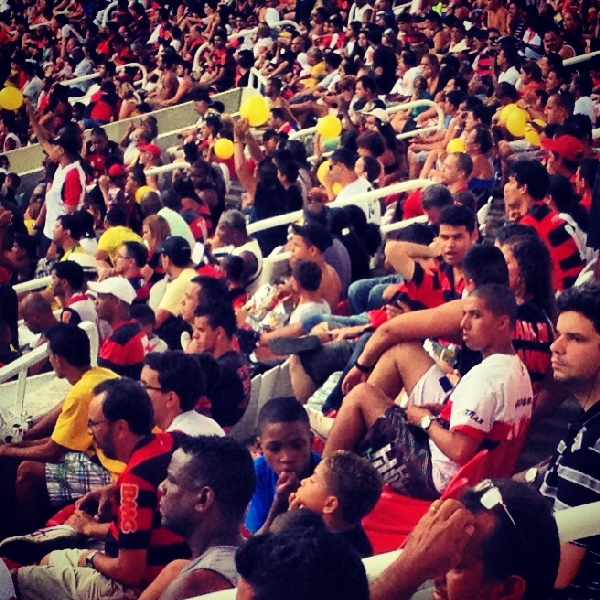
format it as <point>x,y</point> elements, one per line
<point>175,290</point>
<point>112,239</point>
<point>71,429</point>
<point>317,73</point>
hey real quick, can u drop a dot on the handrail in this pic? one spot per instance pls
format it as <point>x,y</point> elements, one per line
<point>310,131</point>
<point>401,8</point>
<point>196,59</point>
<point>32,284</point>
<point>143,81</point>
<point>20,366</point>
<point>573,524</point>
<point>107,10</point>
<point>574,60</point>
<point>395,188</point>
<point>278,25</point>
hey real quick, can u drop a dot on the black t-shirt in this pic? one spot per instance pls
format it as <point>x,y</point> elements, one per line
<point>357,538</point>
<point>230,396</point>
<point>385,58</point>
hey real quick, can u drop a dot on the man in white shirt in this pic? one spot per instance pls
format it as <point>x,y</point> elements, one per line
<point>342,172</point>
<point>175,382</point>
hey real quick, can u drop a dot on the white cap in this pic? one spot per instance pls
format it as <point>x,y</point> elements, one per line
<point>117,286</point>
<point>378,113</point>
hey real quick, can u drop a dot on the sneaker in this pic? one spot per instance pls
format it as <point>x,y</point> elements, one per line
<point>294,345</point>
<point>320,424</point>
<point>30,549</point>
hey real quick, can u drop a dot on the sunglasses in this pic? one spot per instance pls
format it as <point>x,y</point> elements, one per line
<point>490,496</point>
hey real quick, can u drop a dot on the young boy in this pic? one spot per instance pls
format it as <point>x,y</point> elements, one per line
<point>343,489</point>
<point>145,316</point>
<point>285,441</point>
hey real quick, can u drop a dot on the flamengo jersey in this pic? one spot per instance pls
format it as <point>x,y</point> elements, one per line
<point>124,351</point>
<point>136,517</point>
<point>492,403</point>
<point>566,260</point>
<point>71,177</point>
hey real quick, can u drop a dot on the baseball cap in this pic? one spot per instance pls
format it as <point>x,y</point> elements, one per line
<point>68,140</point>
<point>177,249</point>
<point>566,146</point>
<point>117,170</point>
<point>378,113</point>
<point>116,286</point>
<point>152,148</point>
<point>316,235</point>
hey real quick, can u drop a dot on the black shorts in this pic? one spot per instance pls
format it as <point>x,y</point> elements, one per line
<point>400,453</point>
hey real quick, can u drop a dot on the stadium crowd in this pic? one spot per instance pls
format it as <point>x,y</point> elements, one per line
<point>430,336</point>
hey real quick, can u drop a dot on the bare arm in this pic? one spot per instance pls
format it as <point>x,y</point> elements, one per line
<point>571,557</point>
<point>457,446</point>
<point>39,450</point>
<point>401,255</point>
<point>442,321</point>
<point>433,548</point>
<point>127,568</point>
<point>44,425</point>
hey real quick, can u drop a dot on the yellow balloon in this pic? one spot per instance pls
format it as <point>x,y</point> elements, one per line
<point>540,122</point>
<point>506,111</point>
<point>322,170</point>
<point>337,188</point>
<point>532,136</point>
<point>516,122</point>
<point>329,127</point>
<point>456,145</point>
<point>223,148</point>
<point>10,98</point>
<point>255,109</point>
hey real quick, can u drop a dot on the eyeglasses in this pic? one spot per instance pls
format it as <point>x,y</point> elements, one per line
<point>490,496</point>
<point>91,424</point>
<point>151,387</point>
<point>124,257</point>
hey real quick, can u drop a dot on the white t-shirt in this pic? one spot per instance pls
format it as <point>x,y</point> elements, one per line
<point>358,13</point>
<point>177,225</point>
<point>272,16</point>
<point>406,86</point>
<point>493,401</point>
<point>585,106</point>
<point>308,309</point>
<point>372,208</point>
<point>195,424</point>
<point>510,76</point>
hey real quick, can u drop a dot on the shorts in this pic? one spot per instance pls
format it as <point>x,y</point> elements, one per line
<point>62,578</point>
<point>320,363</point>
<point>432,388</point>
<point>400,453</point>
<point>74,476</point>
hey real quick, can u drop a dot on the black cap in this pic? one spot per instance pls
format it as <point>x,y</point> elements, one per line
<point>316,235</point>
<point>68,140</point>
<point>177,249</point>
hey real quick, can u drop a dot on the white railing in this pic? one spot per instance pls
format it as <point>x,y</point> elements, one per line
<point>309,132</point>
<point>33,284</point>
<point>20,367</point>
<point>574,60</point>
<point>106,14</point>
<point>395,188</point>
<point>573,524</point>
<point>82,78</point>
<point>278,25</point>
<point>401,8</point>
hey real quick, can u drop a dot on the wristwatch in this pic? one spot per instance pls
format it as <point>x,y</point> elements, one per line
<point>89,559</point>
<point>425,422</point>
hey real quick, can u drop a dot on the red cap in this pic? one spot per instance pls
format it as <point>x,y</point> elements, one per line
<point>117,170</point>
<point>566,146</point>
<point>152,148</point>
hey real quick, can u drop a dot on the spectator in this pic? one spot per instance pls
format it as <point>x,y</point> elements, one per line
<point>124,351</point>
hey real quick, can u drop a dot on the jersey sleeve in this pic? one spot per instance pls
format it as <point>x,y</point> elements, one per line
<point>73,189</point>
<point>473,405</point>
